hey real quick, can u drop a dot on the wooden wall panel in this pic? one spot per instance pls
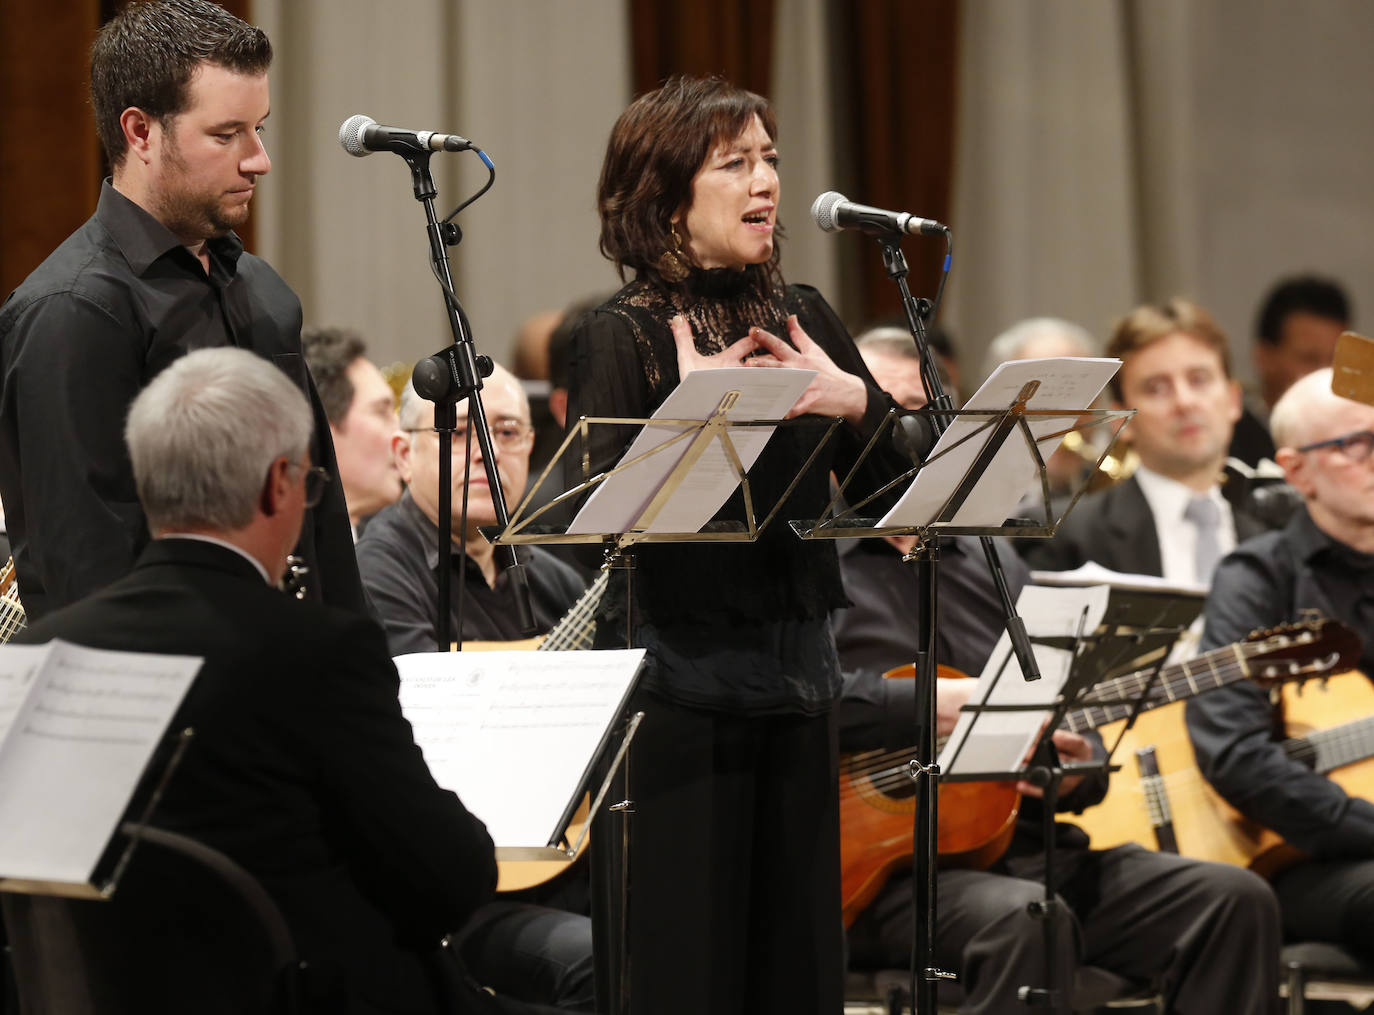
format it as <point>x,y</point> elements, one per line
<point>51,163</point>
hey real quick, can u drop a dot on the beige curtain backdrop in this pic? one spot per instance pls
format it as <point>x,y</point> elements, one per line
<point>1116,152</point>
<point>1109,151</point>
<point>536,84</point>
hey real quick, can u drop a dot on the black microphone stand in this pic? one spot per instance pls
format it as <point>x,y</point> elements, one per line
<point>446,378</point>
<point>924,769</point>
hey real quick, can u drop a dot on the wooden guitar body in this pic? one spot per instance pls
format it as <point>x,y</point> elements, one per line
<point>878,806</point>
<point>1205,826</point>
<point>978,819</point>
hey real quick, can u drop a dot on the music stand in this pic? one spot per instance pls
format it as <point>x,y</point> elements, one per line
<point>995,438</point>
<point>668,487</point>
<point>109,869</point>
<point>1126,632</point>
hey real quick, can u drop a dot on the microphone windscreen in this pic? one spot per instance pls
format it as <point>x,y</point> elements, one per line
<point>351,134</point>
<point>823,210</point>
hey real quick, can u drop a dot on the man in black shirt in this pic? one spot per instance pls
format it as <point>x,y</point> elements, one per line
<point>180,93</point>
<point>399,552</point>
<point>1323,560</point>
<point>1195,928</point>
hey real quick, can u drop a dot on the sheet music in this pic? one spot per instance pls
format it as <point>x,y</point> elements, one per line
<point>1065,383</point>
<point>513,732</point>
<point>1093,573</point>
<point>764,393</point>
<point>999,741</point>
<point>79,726</point>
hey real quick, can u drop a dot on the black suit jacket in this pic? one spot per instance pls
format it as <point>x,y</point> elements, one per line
<point>1114,528</point>
<point>302,767</point>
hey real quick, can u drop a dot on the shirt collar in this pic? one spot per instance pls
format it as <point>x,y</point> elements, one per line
<point>1168,498</point>
<point>411,513</point>
<point>1311,542</point>
<point>143,239</point>
<point>197,537</point>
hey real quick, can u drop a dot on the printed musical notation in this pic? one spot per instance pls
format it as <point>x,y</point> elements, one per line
<point>77,728</point>
<point>512,733</point>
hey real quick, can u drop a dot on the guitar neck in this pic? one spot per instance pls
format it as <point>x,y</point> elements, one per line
<point>577,628</point>
<point>1330,749</point>
<point>1177,681</point>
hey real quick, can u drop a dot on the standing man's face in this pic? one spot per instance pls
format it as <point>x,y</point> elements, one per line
<point>204,162</point>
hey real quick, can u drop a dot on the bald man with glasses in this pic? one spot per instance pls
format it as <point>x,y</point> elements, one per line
<point>1323,560</point>
<point>398,553</point>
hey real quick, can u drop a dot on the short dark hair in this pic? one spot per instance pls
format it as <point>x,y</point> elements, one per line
<point>1147,324</point>
<point>146,55</point>
<point>329,352</point>
<point>655,149</point>
<point>1310,294</point>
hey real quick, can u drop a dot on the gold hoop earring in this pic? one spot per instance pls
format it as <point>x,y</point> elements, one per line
<point>673,264</point>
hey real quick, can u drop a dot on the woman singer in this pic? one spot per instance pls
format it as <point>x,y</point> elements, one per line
<point>734,870</point>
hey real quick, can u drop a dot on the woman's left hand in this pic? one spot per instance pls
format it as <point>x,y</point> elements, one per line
<point>832,392</point>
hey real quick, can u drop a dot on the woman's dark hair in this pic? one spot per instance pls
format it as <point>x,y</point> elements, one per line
<point>146,55</point>
<point>656,147</point>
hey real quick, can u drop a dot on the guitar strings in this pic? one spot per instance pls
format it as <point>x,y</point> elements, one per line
<point>882,770</point>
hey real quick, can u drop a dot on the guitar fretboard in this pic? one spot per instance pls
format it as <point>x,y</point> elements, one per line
<point>1206,672</point>
<point>577,627</point>
<point>1333,748</point>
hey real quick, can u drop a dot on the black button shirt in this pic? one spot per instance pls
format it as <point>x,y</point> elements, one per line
<point>1267,581</point>
<point>399,558</point>
<point>118,301</point>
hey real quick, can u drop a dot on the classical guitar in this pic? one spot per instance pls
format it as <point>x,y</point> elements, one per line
<point>573,631</point>
<point>1167,804</point>
<point>977,819</point>
<point>12,616</point>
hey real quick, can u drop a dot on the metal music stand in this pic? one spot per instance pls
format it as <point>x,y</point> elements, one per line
<point>1127,647</point>
<point>992,430</point>
<point>104,880</point>
<point>690,442</point>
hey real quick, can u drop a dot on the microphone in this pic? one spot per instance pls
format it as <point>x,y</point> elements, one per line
<point>361,136</point>
<point>833,211</point>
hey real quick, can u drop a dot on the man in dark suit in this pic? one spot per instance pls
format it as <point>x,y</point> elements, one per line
<point>1171,518</point>
<point>302,769</point>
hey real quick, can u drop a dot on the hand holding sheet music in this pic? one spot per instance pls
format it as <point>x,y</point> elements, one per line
<point>999,741</point>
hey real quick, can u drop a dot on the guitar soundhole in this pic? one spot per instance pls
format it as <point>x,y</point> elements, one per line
<point>882,779</point>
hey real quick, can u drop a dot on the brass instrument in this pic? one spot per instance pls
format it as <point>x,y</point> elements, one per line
<point>1119,464</point>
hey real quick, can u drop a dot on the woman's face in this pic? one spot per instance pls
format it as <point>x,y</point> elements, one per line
<point>734,207</point>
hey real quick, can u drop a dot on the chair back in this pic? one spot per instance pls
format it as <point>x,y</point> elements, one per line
<point>187,929</point>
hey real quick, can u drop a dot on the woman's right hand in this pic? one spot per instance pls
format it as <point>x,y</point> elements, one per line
<point>688,359</point>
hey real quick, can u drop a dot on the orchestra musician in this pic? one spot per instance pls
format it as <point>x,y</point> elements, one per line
<point>734,856</point>
<point>303,769</point>
<point>398,553</point>
<point>541,952</point>
<point>1192,928</point>
<point>1323,559</point>
<point>1172,517</point>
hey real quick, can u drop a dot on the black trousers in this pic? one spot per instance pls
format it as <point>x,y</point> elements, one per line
<point>734,866</point>
<point>1207,933</point>
<point>1329,900</point>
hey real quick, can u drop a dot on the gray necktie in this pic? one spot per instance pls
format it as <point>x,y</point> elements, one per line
<point>1206,518</point>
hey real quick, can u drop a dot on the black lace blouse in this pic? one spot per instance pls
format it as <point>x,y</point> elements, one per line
<point>738,626</point>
